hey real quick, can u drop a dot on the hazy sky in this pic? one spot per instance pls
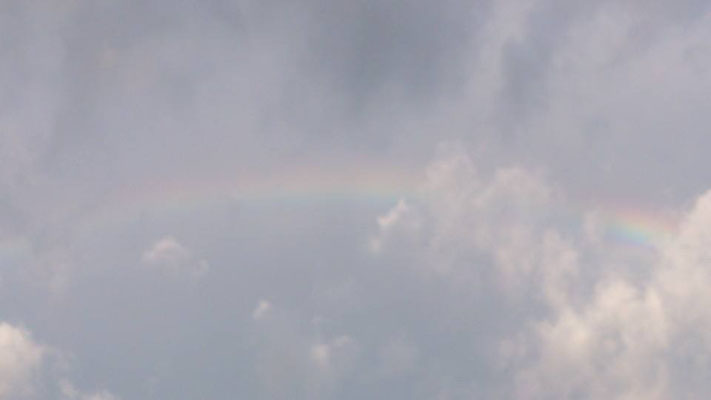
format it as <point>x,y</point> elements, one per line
<point>355,199</point>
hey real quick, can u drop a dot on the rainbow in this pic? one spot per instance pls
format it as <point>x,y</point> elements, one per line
<point>635,225</point>
<point>378,185</point>
<point>372,184</point>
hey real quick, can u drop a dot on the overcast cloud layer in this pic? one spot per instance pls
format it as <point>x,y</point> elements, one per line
<point>355,199</point>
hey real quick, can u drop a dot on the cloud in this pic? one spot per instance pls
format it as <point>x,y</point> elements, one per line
<point>463,213</point>
<point>166,250</point>
<point>31,370</point>
<point>263,308</point>
<point>171,256</point>
<point>630,340</point>
<point>592,327</point>
<point>323,354</point>
<point>293,360</point>
<point>496,278</point>
<point>369,47</point>
<point>399,217</point>
<point>20,361</point>
<point>69,392</point>
<point>332,363</point>
<point>613,348</point>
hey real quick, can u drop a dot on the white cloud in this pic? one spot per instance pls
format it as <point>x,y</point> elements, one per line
<point>611,348</point>
<point>23,363</point>
<point>400,218</point>
<point>631,338</point>
<point>88,107</point>
<point>20,359</point>
<point>103,395</point>
<point>321,355</point>
<point>325,355</point>
<point>465,212</point>
<point>263,308</point>
<point>606,331</point>
<point>69,392</point>
<point>392,217</point>
<point>170,255</point>
<point>331,362</point>
<point>166,251</point>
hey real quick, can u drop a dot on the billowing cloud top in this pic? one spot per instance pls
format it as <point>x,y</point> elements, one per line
<point>355,199</point>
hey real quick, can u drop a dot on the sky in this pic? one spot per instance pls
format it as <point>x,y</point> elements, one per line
<point>351,199</point>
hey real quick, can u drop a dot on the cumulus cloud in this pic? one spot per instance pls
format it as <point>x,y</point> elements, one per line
<point>30,370</point>
<point>294,360</point>
<point>171,256</point>
<point>593,328</point>
<point>69,392</point>
<point>262,309</point>
<point>323,354</point>
<point>20,360</point>
<point>494,278</point>
<point>631,338</point>
<point>400,216</point>
<point>332,362</point>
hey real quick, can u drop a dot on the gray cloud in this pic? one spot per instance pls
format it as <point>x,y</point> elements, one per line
<point>305,150</point>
